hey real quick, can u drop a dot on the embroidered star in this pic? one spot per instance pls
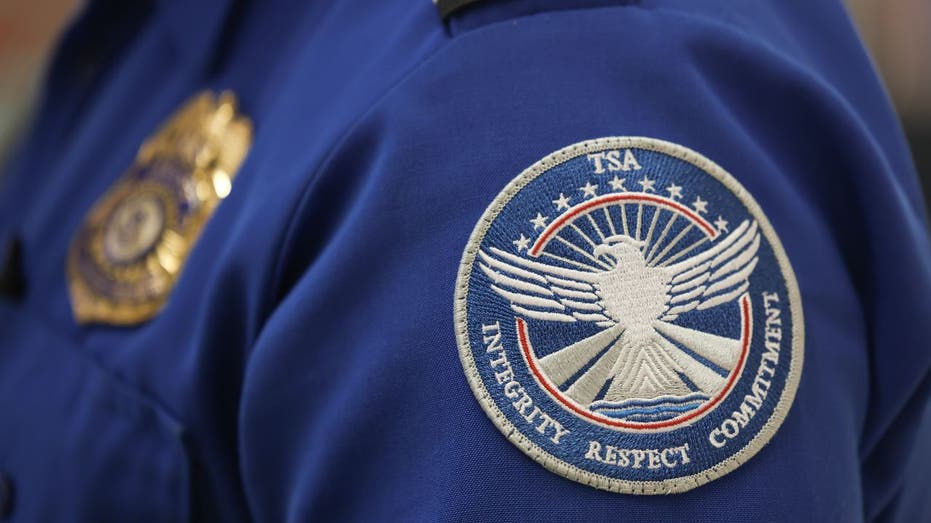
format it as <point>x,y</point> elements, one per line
<point>721,224</point>
<point>700,205</point>
<point>588,190</point>
<point>647,184</point>
<point>562,202</point>
<point>522,243</point>
<point>539,222</point>
<point>618,183</point>
<point>675,191</point>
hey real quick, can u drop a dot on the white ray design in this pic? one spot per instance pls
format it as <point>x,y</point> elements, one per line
<point>707,380</point>
<point>624,219</point>
<point>639,220</point>
<point>585,389</point>
<point>719,350</point>
<point>584,236</point>
<point>610,221</point>
<point>675,240</point>
<point>567,362</point>
<point>595,226</point>
<point>659,240</point>
<point>649,236</point>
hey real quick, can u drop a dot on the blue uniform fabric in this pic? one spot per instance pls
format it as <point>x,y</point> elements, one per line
<point>305,367</point>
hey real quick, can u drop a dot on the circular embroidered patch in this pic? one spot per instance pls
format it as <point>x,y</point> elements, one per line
<point>626,315</point>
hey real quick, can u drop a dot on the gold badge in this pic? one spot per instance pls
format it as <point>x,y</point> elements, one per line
<point>127,255</point>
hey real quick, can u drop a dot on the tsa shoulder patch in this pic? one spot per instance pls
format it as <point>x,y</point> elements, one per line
<point>627,316</point>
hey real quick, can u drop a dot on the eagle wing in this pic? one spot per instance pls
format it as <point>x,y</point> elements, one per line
<point>541,291</point>
<point>714,276</point>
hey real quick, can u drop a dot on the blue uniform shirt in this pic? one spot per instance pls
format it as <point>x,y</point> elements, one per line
<point>305,366</point>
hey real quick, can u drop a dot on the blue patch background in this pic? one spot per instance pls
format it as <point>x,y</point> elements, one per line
<point>487,307</point>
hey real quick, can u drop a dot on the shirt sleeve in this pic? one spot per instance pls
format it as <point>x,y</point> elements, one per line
<point>355,403</point>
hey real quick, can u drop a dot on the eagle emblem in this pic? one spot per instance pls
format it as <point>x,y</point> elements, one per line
<point>633,297</point>
<point>633,300</point>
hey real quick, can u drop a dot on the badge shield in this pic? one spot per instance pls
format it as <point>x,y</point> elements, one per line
<point>128,253</point>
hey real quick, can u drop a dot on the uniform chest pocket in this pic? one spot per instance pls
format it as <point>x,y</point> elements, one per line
<point>77,443</point>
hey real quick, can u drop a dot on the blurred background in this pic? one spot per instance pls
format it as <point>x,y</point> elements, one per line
<point>896,34</point>
<point>28,29</point>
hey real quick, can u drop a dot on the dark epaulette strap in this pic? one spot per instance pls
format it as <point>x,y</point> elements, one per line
<point>447,7</point>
